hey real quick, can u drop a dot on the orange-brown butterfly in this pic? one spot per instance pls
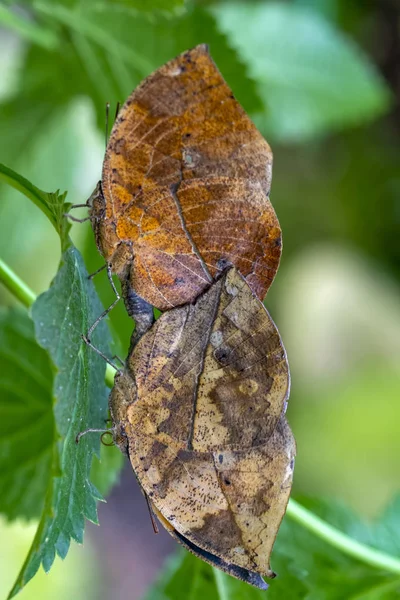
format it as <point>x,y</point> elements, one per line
<point>184,190</point>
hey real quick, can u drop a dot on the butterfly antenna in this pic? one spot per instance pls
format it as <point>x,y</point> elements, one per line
<point>117,109</point>
<point>152,516</point>
<point>107,115</point>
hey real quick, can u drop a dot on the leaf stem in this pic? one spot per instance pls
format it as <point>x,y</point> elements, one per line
<point>15,285</point>
<point>340,540</point>
<point>13,179</point>
<point>303,516</point>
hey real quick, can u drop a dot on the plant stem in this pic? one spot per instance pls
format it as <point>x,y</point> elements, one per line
<point>15,285</point>
<point>29,190</point>
<point>340,540</point>
<point>303,516</point>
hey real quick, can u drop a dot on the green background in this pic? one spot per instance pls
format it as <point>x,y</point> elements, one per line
<point>320,79</point>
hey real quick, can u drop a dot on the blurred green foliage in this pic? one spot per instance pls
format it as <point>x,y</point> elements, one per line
<point>307,567</point>
<point>26,400</point>
<point>320,79</point>
<point>67,579</point>
<point>311,79</point>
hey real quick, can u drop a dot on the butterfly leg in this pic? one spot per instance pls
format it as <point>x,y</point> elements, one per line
<point>151,513</point>
<point>98,271</point>
<point>88,204</point>
<point>100,353</point>
<point>117,358</point>
<point>107,310</point>
<point>86,337</point>
<point>76,219</point>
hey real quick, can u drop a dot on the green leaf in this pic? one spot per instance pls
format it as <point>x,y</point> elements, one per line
<point>61,315</point>
<point>144,44</point>
<point>152,5</point>
<point>27,28</point>
<point>312,78</point>
<point>27,422</point>
<point>321,570</point>
<point>184,577</point>
<point>106,470</point>
<point>88,70</point>
<point>103,35</point>
<point>148,6</point>
<point>308,568</point>
<point>165,39</point>
<point>52,204</point>
<point>104,53</point>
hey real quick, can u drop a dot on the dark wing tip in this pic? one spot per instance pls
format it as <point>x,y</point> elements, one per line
<point>250,577</point>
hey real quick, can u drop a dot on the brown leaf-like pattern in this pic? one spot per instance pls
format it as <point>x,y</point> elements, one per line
<point>200,411</point>
<point>185,187</point>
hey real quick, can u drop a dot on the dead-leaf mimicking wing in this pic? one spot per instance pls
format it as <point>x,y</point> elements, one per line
<point>185,187</point>
<point>200,411</point>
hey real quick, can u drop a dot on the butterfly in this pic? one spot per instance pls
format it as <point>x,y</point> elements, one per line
<point>184,190</point>
<point>199,409</point>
